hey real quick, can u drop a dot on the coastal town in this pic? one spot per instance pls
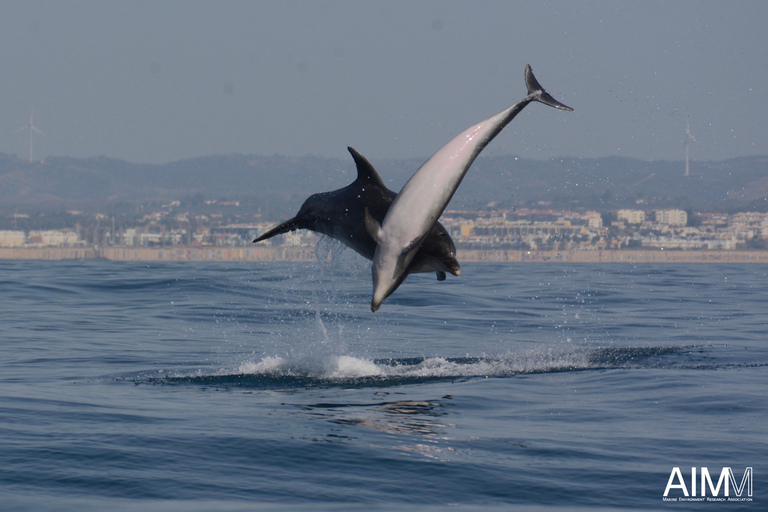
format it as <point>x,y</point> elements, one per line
<point>212,208</point>
<point>229,224</point>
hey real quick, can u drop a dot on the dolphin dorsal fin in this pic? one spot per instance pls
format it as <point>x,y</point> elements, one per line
<point>365,171</point>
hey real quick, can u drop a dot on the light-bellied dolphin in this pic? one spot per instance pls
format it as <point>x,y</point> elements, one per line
<point>424,197</point>
<point>340,214</point>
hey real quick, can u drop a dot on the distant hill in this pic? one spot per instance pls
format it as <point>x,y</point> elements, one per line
<point>278,185</point>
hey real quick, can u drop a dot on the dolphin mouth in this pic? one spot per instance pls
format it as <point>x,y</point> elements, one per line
<point>289,225</point>
<point>428,263</point>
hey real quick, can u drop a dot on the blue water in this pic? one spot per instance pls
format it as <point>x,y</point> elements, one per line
<point>183,386</point>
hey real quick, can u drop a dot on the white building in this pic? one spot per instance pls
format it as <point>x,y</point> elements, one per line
<point>12,238</point>
<point>631,216</point>
<point>129,237</point>
<point>147,239</point>
<point>54,238</point>
<point>672,217</point>
<point>594,219</point>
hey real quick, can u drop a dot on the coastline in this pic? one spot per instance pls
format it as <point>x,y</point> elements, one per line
<point>307,254</point>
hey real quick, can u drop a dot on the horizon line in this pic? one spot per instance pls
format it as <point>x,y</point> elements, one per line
<point>314,156</point>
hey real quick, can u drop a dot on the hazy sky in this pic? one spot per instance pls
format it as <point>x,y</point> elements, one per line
<point>159,81</point>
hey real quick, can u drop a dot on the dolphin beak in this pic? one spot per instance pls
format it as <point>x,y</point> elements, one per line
<point>379,294</point>
<point>289,225</point>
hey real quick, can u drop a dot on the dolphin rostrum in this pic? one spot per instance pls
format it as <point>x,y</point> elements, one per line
<point>340,214</point>
<point>424,197</point>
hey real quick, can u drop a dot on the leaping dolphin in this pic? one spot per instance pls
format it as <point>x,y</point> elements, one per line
<point>424,197</point>
<point>340,214</point>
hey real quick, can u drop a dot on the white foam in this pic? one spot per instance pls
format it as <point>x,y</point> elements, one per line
<point>330,367</point>
<point>270,364</point>
<point>346,367</point>
<point>341,367</point>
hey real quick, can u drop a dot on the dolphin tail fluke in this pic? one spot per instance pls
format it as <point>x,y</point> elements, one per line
<point>289,225</point>
<point>537,93</point>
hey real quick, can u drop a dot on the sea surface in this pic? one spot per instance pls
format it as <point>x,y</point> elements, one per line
<point>205,386</point>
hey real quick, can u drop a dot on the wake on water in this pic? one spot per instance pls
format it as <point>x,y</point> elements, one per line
<point>276,372</point>
<point>319,366</point>
<point>321,359</point>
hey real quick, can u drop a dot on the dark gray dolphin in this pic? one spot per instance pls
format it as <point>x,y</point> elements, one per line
<point>340,214</point>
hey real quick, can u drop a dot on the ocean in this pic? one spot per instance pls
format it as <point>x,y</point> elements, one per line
<point>271,386</point>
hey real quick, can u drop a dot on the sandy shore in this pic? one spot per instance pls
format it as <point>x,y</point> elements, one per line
<point>264,254</point>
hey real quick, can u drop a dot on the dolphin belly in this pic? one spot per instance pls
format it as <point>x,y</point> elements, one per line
<point>422,200</point>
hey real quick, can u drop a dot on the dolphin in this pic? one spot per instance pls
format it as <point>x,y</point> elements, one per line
<point>340,214</point>
<point>424,197</point>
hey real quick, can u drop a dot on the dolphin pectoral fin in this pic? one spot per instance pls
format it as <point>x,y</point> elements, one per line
<point>372,226</point>
<point>289,225</point>
<point>537,92</point>
<point>415,243</point>
<point>440,275</point>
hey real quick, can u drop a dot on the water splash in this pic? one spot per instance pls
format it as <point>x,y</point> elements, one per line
<point>320,328</point>
<point>275,372</point>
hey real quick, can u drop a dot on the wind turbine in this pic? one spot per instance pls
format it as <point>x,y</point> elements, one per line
<point>689,138</point>
<point>32,129</point>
